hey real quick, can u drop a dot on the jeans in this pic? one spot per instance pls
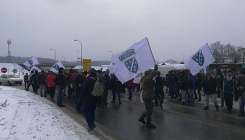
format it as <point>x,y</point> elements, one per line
<point>191,98</point>
<point>89,107</point>
<point>173,90</point>
<point>222,97</point>
<point>157,93</point>
<point>42,89</point>
<point>241,104</point>
<point>59,97</point>
<point>26,84</point>
<point>213,97</point>
<point>184,95</point>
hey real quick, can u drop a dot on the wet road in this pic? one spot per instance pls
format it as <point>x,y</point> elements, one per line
<point>173,122</point>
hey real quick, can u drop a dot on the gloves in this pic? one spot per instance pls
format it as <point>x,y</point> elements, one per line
<point>156,68</point>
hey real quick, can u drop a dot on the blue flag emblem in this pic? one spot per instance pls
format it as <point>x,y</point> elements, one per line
<point>56,66</point>
<point>128,58</point>
<point>30,61</point>
<point>199,58</point>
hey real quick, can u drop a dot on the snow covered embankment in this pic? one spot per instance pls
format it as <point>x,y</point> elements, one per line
<point>27,116</point>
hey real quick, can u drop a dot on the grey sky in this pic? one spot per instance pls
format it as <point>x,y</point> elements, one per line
<point>172,26</point>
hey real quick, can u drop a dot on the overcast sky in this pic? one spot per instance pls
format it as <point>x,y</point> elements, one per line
<point>172,26</point>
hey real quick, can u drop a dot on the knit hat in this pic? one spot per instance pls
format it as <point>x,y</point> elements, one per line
<point>60,70</point>
<point>92,70</point>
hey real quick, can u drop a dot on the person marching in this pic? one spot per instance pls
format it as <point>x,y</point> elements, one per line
<point>148,96</point>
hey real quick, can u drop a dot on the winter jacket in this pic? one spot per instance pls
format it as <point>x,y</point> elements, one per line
<point>209,85</point>
<point>68,79</point>
<point>184,83</point>
<point>26,78</point>
<point>108,81</point>
<point>41,78</point>
<point>229,86</point>
<point>50,80</point>
<point>148,86</point>
<point>116,85</point>
<point>60,80</point>
<point>159,84</point>
<point>102,79</point>
<point>78,80</point>
<point>192,82</point>
<point>130,83</point>
<point>34,78</point>
<point>87,88</point>
<point>241,83</point>
<point>172,79</point>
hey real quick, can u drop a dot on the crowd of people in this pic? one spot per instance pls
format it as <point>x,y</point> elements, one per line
<point>79,85</point>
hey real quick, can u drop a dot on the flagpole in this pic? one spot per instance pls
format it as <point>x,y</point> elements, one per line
<point>151,50</point>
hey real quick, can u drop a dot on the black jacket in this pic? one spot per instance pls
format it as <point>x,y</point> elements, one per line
<point>60,80</point>
<point>209,85</point>
<point>87,88</point>
<point>78,80</point>
<point>159,84</point>
<point>116,85</point>
<point>108,81</point>
<point>184,83</point>
<point>34,78</point>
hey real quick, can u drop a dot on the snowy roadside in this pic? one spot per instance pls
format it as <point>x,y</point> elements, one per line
<point>26,116</point>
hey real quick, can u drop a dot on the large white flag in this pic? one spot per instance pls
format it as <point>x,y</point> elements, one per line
<point>34,68</point>
<point>31,62</point>
<point>56,66</point>
<point>199,60</point>
<point>135,60</point>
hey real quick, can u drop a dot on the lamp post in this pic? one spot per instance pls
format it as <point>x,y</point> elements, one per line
<point>9,55</point>
<point>64,58</point>
<point>77,54</point>
<point>54,54</point>
<point>111,53</point>
<point>183,57</point>
<point>81,52</point>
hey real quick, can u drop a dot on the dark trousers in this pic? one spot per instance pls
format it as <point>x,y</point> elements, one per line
<point>35,87</point>
<point>59,97</point>
<point>51,91</point>
<point>26,84</point>
<point>129,92</point>
<point>148,108</point>
<point>105,95</point>
<point>228,100</point>
<point>69,91</point>
<point>159,95</point>
<point>114,95</point>
<point>137,87</point>
<point>89,107</point>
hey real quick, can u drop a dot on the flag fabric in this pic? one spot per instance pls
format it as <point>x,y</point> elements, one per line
<point>111,68</point>
<point>34,68</point>
<point>56,66</point>
<point>200,60</point>
<point>135,60</point>
<point>31,62</point>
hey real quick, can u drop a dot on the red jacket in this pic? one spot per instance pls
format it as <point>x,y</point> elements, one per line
<point>130,83</point>
<point>50,80</point>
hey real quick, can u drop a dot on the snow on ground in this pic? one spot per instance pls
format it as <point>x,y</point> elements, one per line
<point>28,117</point>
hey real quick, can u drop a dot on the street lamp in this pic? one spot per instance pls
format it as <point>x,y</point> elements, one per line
<point>81,52</point>
<point>77,54</point>
<point>183,57</point>
<point>54,54</point>
<point>64,58</point>
<point>111,53</point>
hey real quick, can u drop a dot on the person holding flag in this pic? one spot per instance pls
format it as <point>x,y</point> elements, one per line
<point>148,96</point>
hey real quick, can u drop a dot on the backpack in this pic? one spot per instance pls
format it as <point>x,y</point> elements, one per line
<point>98,89</point>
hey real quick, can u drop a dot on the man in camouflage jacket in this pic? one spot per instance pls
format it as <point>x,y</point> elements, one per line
<point>148,96</point>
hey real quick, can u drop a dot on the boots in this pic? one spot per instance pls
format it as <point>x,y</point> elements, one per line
<point>240,114</point>
<point>141,119</point>
<point>217,108</point>
<point>150,125</point>
<point>206,108</point>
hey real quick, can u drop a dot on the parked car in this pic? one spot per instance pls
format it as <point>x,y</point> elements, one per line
<point>10,79</point>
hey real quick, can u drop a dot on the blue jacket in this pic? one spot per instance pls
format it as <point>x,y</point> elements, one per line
<point>229,86</point>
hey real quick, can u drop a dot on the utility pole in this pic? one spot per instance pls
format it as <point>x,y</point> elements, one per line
<point>9,42</point>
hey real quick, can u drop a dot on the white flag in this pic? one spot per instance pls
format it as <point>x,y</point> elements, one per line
<point>31,62</point>
<point>34,68</point>
<point>56,66</point>
<point>200,60</point>
<point>135,60</point>
<point>111,68</point>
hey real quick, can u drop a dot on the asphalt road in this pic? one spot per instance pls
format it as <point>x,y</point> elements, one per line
<point>173,122</point>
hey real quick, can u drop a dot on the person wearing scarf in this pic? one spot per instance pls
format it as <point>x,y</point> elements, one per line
<point>229,83</point>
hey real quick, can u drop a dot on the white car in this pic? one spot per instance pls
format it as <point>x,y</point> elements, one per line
<point>10,79</point>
